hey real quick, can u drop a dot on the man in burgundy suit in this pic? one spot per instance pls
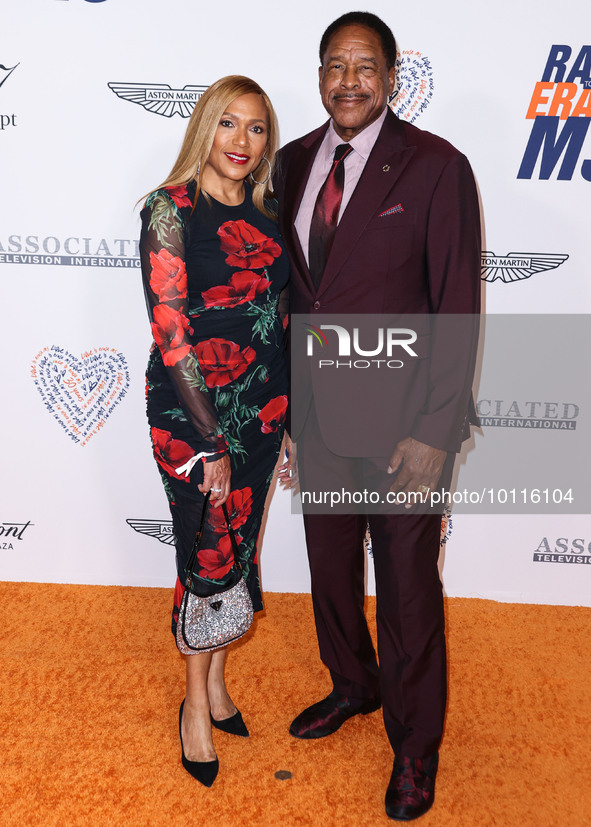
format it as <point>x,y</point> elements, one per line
<point>405,238</point>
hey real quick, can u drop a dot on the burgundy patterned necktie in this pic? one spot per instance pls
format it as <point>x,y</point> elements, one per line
<point>326,212</point>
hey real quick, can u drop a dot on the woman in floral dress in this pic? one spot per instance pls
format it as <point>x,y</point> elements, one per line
<point>213,268</point>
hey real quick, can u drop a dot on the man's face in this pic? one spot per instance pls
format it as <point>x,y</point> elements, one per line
<point>354,79</point>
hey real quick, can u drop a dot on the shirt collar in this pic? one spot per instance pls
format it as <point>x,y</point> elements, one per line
<point>362,143</point>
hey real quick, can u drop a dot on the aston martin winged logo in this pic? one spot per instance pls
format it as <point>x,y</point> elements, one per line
<point>160,529</point>
<point>518,266</point>
<point>5,72</point>
<point>160,97</point>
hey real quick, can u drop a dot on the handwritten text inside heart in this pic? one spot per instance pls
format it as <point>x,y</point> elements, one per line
<point>414,85</point>
<point>80,392</point>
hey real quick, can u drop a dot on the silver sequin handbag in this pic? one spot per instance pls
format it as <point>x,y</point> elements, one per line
<point>208,623</point>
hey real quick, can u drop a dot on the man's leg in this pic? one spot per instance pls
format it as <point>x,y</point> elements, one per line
<point>337,567</point>
<point>411,633</point>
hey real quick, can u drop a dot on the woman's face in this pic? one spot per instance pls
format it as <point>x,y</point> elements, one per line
<point>240,141</point>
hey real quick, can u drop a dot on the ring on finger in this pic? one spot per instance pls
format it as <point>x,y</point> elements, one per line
<point>216,490</point>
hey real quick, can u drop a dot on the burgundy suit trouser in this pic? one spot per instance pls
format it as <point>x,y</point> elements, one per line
<point>411,676</point>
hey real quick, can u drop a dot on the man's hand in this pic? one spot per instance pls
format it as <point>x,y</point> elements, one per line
<point>216,478</point>
<point>419,467</point>
<point>287,472</point>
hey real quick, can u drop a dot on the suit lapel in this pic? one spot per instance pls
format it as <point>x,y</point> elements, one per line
<point>384,166</point>
<point>295,184</point>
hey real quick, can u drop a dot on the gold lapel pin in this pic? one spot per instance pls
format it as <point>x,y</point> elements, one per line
<point>386,168</point>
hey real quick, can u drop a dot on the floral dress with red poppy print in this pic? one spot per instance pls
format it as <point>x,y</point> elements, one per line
<point>216,381</point>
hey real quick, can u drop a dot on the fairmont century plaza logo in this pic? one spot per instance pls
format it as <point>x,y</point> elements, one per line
<point>12,531</point>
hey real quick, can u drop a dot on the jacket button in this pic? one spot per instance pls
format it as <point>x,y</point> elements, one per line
<point>316,305</point>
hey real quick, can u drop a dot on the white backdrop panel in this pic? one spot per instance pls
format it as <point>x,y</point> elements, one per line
<point>74,159</point>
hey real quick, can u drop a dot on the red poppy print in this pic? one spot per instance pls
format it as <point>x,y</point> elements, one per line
<point>168,278</point>
<point>169,328</point>
<point>238,505</point>
<point>170,453</point>
<point>222,361</point>
<point>216,562</point>
<point>179,196</point>
<point>243,287</point>
<point>273,414</point>
<point>246,246</point>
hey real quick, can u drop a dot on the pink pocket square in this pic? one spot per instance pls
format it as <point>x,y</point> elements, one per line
<point>392,210</point>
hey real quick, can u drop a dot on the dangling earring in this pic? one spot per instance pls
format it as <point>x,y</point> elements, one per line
<point>253,179</point>
<point>198,168</point>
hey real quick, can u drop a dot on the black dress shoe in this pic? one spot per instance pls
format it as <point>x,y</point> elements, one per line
<point>234,725</point>
<point>203,771</point>
<point>327,716</point>
<point>411,790</point>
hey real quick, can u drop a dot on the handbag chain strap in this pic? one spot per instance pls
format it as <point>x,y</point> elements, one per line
<point>197,542</point>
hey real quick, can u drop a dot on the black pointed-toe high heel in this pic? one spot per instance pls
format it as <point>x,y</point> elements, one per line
<point>234,725</point>
<point>203,771</point>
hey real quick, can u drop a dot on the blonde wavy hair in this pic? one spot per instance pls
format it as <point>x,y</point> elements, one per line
<point>201,130</point>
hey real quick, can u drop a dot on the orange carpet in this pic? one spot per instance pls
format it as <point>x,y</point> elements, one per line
<point>90,685</point>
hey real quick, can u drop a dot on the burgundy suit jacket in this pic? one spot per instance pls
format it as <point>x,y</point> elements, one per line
<point>408,242</point>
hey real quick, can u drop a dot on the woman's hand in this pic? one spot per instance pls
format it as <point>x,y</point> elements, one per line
<point>287,473</point>
<point>216,478</point>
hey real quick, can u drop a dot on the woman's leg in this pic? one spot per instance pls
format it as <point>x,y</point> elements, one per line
<point>220,702</point>
<point>206,692</point>
<point>196,726</point>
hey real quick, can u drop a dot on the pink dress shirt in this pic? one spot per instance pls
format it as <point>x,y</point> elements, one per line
<point>362,144</point>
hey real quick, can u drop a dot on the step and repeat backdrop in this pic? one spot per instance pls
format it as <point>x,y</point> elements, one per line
<point>94,101</point>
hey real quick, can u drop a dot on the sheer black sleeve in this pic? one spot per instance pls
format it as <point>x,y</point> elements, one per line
<point>162,253</point>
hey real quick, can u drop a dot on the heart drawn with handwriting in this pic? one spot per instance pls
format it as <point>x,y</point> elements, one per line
<point>80,392</point>
<point>413,87</point>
